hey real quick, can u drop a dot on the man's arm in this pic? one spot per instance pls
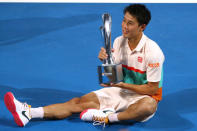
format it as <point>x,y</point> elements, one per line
<point>146,89</point>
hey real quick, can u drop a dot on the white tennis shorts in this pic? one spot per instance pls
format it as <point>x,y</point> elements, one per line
<point>118,99</point>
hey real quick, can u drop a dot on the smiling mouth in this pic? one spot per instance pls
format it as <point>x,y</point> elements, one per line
<point>125,32</point>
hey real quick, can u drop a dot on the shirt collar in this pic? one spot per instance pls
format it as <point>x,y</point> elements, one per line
<point>139,46</point>
<point>141,43</point>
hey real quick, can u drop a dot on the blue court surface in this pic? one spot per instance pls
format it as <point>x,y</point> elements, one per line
<point>48,54</point>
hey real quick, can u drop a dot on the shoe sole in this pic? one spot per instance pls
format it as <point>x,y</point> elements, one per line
<point>83,112</point>
<point>9,102</point>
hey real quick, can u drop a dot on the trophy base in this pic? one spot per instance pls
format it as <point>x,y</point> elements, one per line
<point>110,73</point>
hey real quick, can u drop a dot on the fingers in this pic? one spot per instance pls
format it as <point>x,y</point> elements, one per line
<point>102,54</point>
<point>103,49</point>
<point>120,84</point>
<point>105,85</point>
<point>102,85</point>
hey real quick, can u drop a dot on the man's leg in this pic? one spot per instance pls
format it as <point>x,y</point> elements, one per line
<point>22,112</point>
<point>75,105</point>
<point>139,110</point>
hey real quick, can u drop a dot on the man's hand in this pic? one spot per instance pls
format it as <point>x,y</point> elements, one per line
<point>113,85</point>
<point>150,88</point>
<point>102,54</point>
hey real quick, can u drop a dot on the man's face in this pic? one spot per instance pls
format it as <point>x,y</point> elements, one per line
<point>130,26</point>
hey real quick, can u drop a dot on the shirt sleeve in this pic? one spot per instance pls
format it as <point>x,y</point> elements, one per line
<point>116,53</point>
<point>154,67</point>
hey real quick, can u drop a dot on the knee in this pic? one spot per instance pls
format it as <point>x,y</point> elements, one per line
<point>79,101</point>
<point>75,100</point>
<point>89,104</point>
<point>149,105</point>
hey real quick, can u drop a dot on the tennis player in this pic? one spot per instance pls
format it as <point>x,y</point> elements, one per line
<point>136,98</point>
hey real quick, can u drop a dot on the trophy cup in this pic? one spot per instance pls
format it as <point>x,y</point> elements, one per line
<point>108,72</point>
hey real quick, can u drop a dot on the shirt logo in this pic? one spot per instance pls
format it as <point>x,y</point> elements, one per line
<point>154,65</point>
<point>139,59</point>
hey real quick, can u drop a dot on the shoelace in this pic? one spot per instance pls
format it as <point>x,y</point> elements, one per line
<point>100,121</point>
<point>25,105</point>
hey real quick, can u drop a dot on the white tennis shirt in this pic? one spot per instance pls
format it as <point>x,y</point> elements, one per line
<point>141,65</point>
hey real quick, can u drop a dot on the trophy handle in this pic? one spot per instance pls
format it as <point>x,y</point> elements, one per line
<point>101,28</point>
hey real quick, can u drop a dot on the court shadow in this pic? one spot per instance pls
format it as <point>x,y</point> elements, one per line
<point>170,109</point>
<point>7,122</point>
<point>168,115</point>
<point>17,30</point>
<point>39,96</point>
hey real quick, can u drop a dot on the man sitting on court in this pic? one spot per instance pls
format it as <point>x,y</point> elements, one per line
<point>136,98</point>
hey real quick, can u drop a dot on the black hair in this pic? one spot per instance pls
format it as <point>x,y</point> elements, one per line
<point>140,12</point>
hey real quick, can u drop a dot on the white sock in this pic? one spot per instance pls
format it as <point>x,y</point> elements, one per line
<point>113,117</point>
<point>37,112</point>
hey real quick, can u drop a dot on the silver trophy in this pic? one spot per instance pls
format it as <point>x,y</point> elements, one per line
<point>108,72</point>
